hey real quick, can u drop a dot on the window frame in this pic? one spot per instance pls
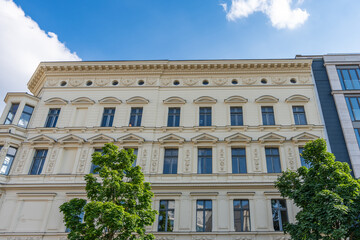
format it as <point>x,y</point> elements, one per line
<point>242,209</point>
<point>12,158</point>
<point>350,107</point>
<point>279,211</point>
<point>172,161</point>
<point>107,119</point>
<point>270,157</point>
<point>239,116</point>
<point>268,118</point>
<point>13,112</point>
<point>238,160</point>
<point>42,160</point>
<point>26,114</point>
<point>205,118</point>
<point>340,71</point>
<point>52,118</point>
<point>204,209</point>
<point>204,161</point>
<point>166,210</point>
<point>135,116</point>
<point>298,115</point>
<point>175,116</point>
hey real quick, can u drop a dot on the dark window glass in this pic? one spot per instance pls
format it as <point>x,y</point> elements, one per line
<point>25,116</point>
<point>349,78</point>
<point>204,160</point>
<point>299,115</point>
<point>135,117</point>
<point>205,116</point>
<point>38,162</point>
<point>1,146</point>
<point>303,163</point>
<point>273,160</point>
<point>241,215</point>
<point>93,166</point>
<point>170,161</point>
<point>81,219</point>
<point>356,133</point>
<point>279,214</point>
<point>52,118</point>
<point>174,117</point>
<point>9,158</point>
<point>166,216</point>
<point>108,117</point>
<point>11,114</point>
<point>203,215</point>
<point>268,115</point>
<point>238,156</point>
<point>236,116</point>
<point>135,153</point>
<point>354,107</point>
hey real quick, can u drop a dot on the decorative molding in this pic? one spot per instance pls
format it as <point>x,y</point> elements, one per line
<point>235,99</point>
<point>220,81</point>
<point>257,166</point>
<point>291,159</point>
<point>154,161</point>
<point>190,82</point>
<point>187,162</point>
<point>174,100</point>
<point>42,139</point>
<point>137,100</point>
<point>131,138</point>
<point>143,158</point>
<point>52,160</point>
<point>205,99</point>
<point>272,137</point>
<point>206,138</point>
<point>238,137</point>
<point>71,139</point>
<point>266,99</point>
<point>278,80</point>
<point>297,98</point>
<point>127,82</point>
<point>55,101</point>
<point>82,161</point>
<point>21,162</point>
<point>171,138</point>
<point>304,137</point>
<point>249,81</point>
<point>110,100</point>
<point>82,101</point>
<point>222,160</point>
<point>76,82</point>
<point>101,82</point>
<point>100,138</point>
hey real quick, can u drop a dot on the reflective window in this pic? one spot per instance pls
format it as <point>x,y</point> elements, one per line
<point>11,114</point>
<point>108,117</point>
<point>241,216</point>
<point>238,156</point>
<point>353,104</point>
<point>356,133</point>
<point>268,115</point>
<point>166,216</point>
<point>349,78</point>
<point>204,160</point>
<point>38,162</point>
<point>203,215</point>
<point>173,117</point>
<point>299,115</point>
<point>279,213</point>
<point>9,158</point>
<point>303,163</point>
<point>135,117</point>
<point>273,160</point>
<point>25,116</point>
<point>205,116</point>
<point>170,161</point>
<point>52,118</point>
<point>236,116</point>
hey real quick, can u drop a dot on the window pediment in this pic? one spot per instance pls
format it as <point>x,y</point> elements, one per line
<point>304,137</point>
<point>131,138</point>
<point>238,137</point>
<point>266,99</point>
<point>235,99</point>
<point>110,100</point>
<point>101,138</point>
<point>174,100</point>
<point>297,98</point>
<point>137,100</point>
<point>56,101</point>
<point>171,138</point>
<point>205,99</point>
<point>82,100</point>
<point>204,138</point>
<point>272,137</point>
<point>70,139</point>
<point>41,139</point>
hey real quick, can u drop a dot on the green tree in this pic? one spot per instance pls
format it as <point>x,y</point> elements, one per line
<point>326,193</point>
<point>118,206</point>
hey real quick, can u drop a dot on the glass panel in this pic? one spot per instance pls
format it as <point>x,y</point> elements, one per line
<point>199,221</point>
<point>246,217</point>
<point>236,116</point>
<point>356,133</point>
<point>171,204</point>
<point>208,221</point>
<point>273,160</point>
<point>208,204</point>
<point>204,160</point>
<point>162,221</point>
<point>205,116</point>
<point>170,221</point>
<point>199,204</point>
<point>11,113</point>
<point>237,221</point>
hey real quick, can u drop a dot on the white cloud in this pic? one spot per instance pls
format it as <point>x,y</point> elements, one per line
<point>279,11</point>
<point>22,46</point>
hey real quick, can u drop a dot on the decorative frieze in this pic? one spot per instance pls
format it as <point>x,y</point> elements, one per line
<point>21,162</point>
<point>52,161</point>
<point>82,161</point>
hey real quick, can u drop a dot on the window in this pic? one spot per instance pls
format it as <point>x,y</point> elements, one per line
<point>356,133</point>
<point>173,117</point>
<point>52,118</point>
<point>38,162</point>
<point>204,160</point>
<point>203,215</point>
<point>205,116</point>
<point>166,216</point>
<point>279,213</point>
<point>25,116</point>
<point>236,116</point>
<point>135,117</point>
<point>238,156</point>
<point>273,160</point>
<point>354,107</point>
<point>349,78</point>
<point>93,166</point>
<point>241,216</point>
<point>81,219</point>
<point>108,117</point>
<point>268,115</point>
<point>10,117</point>
<point>9,158</point>
<point>303,163</point>
<point>299,115</point>
<point>170,161</point>
<point>135,153</point>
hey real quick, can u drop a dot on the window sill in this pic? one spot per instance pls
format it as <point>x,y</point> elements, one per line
<point>211,128</point>
<point>176,129</point>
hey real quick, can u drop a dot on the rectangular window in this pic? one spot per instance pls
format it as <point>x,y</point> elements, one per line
<point>11,114</point>
<point>354,107</point>
<point>205,116</point>
<point>9,158</point>
<point>236,116</point>
<point>108,117</point>
<point>303,163</point>
<point>238,156</point>
<point>166,216</point>
<point>356,133</point>
<point>273,160</point>
<point>38,162</point>
<point>135,117</point>
<point>204,160</point>
<point>241,216</point>
<point>279,213</point>
<point>203,215</point>
<point>299,115</point>
<point>93,166</point>
<point>52,118</point>
<point>174,117</point>
<point>268,115</point>
<point>349,78</point>
<point>25,116</point>
<point>170,161</point>
<point>135,153</point>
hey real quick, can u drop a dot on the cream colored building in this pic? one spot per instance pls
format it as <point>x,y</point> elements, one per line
<point>52,156</point>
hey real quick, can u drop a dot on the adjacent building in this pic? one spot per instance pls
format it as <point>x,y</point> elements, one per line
<point>211,137</point>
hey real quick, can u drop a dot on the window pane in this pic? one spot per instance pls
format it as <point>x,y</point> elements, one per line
<point>38,162</point>
<point>205,116</point>
<point>356,133</point>
<point>135,117</point>
<point>279,213</point>
<point>236,116</point>
<point>199,221</point>
<point>238,160</point>
<point>273,160</point>
<point>11,113</point>
<point>204,160</point>
<point>9,158</point>
<point>52,118</point>
<point>108,117</point>
<point>170,161</point>
<point>208,221</point>
<point>268,115</point>
<point>174,117</point>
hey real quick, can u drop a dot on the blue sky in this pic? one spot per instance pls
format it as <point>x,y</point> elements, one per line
<point>38,30</point>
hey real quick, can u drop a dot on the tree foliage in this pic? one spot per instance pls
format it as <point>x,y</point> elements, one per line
<point>118,206</point>
<point>326,193</point>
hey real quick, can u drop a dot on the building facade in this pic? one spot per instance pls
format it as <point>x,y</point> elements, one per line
<point>210,136</point>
